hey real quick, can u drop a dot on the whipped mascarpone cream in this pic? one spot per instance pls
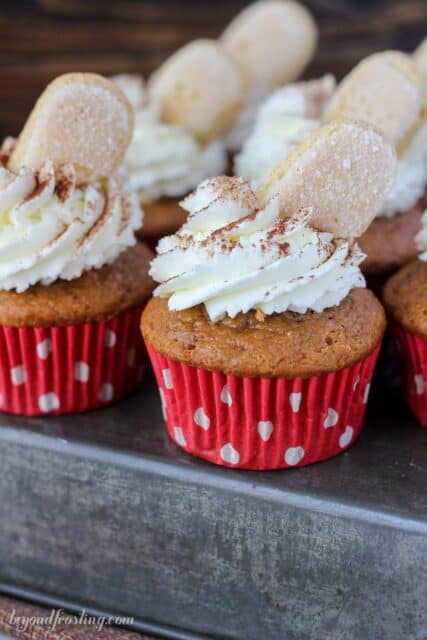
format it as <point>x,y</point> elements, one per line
<point>286,118</point>
<point>163,159</point>
<point>52,228</point>
<point>411,177</point>
<point>233,256</point>
<point>245,120</point>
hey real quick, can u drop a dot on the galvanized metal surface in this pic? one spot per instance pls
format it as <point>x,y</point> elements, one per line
<point>103,511</point>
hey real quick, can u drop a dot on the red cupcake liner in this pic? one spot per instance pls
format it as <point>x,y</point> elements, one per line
<point>70,369</point>
<point>413,357</point>
<point>262,423</point>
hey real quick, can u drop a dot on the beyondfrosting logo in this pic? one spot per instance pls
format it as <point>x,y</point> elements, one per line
<point>58,618</point>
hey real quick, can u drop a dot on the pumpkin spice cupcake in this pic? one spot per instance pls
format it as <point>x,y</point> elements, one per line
<point>272,41</point>
<point>72,278</point>
<point>262,336</point>
<point>180,119</point>
<point>405,298</point>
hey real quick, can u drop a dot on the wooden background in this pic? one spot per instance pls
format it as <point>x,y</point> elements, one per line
<point>40,39</point>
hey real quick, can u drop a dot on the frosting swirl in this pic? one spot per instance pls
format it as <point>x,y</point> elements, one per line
<point>233,256</point>
<point>245,120</point>
<point>286,118</point>
<point>411,176</point>
<point>51,228</point>
<point>165,160</point>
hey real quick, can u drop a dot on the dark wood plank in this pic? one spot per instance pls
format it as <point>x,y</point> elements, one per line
<point>41,39</point>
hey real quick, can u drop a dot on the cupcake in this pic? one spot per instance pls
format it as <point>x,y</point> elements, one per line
<point>180,119</point>
<point>386,89</point>
<point>405,298</point>
<point>286,118</point>
<point>272,41</point>
<point>262,336</point>
<point>72,278</point>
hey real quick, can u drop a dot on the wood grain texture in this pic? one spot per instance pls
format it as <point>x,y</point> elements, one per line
<point>41,39</point>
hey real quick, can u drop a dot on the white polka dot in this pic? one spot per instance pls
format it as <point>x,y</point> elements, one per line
<point>346,437</point>
<point>130,357</point>
<point>179,436</point>
<point>18,375</point>
<point>44,349</point>
<point>226,396</point>
<point>331,419</point>
<point>294,455</point>
<point>48,402</point>
<point>419,384</point>
<point>110,338</point>
<point>295,401</point>
<point>81,372</point>
<point>356,383</point>
<point>229,454</point>
<point>265,429</point>
<point>167,377</point>
<point>366,394</point>
<point>1,400</point>
<point>201,419</point>
<point>163,402</point>
<point>106,392</point>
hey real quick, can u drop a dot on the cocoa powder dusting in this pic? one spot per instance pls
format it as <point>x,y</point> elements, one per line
<point>65,182</point>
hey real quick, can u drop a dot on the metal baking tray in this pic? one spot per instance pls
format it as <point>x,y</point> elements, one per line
<point>103,511</point>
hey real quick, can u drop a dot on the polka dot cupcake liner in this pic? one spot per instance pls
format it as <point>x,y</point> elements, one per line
<point>412,352</point>
<point>262,423</point>
<point>70,369</point>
